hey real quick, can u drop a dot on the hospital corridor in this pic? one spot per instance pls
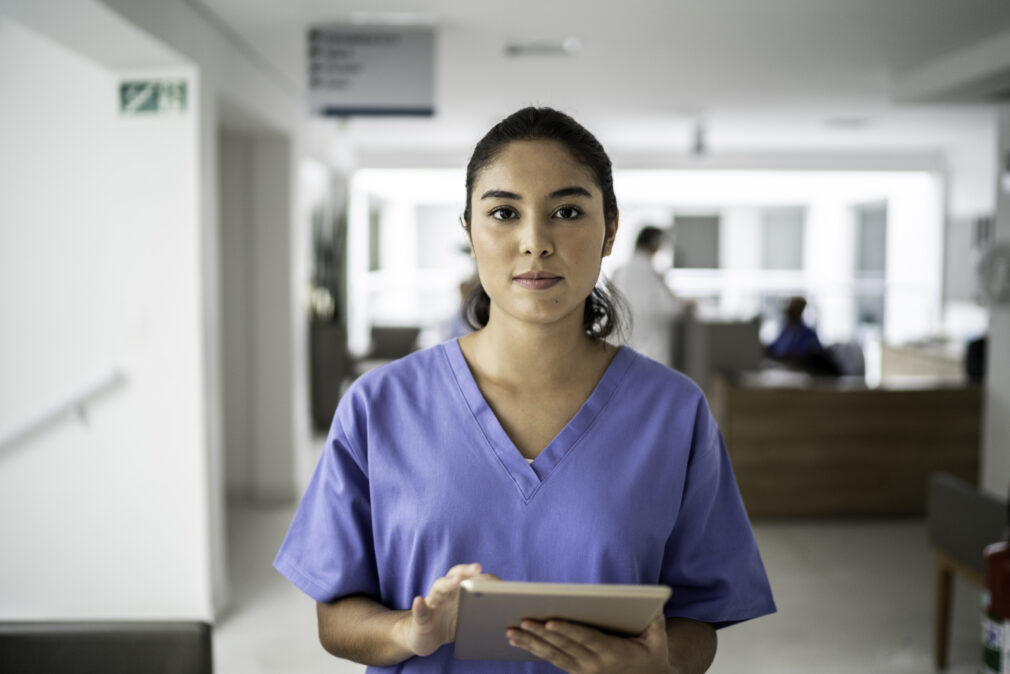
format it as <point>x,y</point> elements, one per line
<point>314,316</point>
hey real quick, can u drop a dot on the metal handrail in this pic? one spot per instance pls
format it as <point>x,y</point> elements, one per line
<point>70,405</point>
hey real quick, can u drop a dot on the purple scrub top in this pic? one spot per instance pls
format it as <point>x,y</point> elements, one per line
<point>418,475</point>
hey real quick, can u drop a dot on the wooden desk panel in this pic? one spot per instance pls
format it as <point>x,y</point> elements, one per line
<point>822,451</point>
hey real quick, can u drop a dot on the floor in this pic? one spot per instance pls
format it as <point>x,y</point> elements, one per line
<point>852,597</point>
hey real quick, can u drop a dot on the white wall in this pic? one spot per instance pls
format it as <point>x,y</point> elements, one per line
<point>256,336</point>
<point>996,442</point>
<point>739,250</point>
<point>237,271</point>
<point>157,191</point>
<point>274,318</point>
<point>915,230</point>
<point>829,263</point>
<point>230,79</point>
<point>100,258</point>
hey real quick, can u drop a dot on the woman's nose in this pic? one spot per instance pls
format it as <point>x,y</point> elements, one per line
<point>536,238</point>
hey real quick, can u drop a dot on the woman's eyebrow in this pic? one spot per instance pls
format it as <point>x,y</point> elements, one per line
<point>556,194</point>
<point>500,194</point>
<point>570,192</point>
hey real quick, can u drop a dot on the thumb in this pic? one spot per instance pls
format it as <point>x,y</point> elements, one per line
<point>420,609</point>
<point>656,629</point>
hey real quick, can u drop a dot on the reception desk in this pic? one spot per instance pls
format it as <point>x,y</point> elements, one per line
<point>808,448</point>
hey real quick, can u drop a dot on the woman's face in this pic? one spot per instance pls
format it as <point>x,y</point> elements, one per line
<point>537,232</point>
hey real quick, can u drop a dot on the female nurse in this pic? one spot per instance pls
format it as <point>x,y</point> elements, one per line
<point>532,449</point>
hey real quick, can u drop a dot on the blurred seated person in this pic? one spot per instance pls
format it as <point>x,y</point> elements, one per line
<point>798,345</point>
<point>653,305</point>
<point>974,360</point>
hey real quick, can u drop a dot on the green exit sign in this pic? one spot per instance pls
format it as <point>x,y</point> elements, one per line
<point>152,96</point>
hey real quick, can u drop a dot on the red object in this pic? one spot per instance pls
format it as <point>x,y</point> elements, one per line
<point>997,575</point>
<point>997,579</point>
<point>996,614</point>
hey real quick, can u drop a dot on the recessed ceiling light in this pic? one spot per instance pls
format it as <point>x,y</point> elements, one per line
<point>567,47</point>
<point>381,19</point>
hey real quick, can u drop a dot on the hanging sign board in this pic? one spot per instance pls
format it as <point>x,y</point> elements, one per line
<point>138,97</point>
<point>379,70</point>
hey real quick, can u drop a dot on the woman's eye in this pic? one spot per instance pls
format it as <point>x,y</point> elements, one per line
<point>568,212</point>
<point>503,213</point>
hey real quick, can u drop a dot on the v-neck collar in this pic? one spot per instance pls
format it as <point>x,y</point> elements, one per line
<point>529,476</point>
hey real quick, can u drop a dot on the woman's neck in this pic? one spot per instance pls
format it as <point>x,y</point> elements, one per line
<point>515,353</point>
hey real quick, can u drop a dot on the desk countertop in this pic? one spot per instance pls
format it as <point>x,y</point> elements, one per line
<point>788,379</point>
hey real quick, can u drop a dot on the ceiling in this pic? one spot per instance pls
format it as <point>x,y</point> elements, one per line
<point>764,75</point>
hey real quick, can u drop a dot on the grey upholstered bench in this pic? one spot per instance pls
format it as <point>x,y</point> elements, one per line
<point>106,647</point>
<point>962,521</point>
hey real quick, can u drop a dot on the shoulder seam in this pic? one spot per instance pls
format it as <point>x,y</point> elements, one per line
<point>351,447</point>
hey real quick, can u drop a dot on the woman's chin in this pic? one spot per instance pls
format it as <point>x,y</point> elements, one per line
<point>544,314</point>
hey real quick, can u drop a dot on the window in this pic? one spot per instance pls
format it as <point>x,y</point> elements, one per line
<point>374,238</point>
<point>782,238</point>
<point>870,262</point>
<point>696,241</point>
<point>871,241</point>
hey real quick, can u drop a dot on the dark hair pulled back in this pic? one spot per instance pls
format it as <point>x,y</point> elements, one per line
<point>602,316</point>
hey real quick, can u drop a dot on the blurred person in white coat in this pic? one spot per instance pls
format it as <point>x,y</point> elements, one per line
<point>653,305</point>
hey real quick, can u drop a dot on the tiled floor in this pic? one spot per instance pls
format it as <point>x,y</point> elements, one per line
<point>853,597</point>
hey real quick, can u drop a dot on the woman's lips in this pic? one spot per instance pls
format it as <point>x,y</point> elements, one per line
<point>537,281</point>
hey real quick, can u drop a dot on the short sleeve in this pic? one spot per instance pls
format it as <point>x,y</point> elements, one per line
<point>328,551</point>
<point>711,558</point>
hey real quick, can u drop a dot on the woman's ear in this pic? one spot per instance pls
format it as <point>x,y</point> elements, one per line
<point>469,239</point>
<point>608,241</point>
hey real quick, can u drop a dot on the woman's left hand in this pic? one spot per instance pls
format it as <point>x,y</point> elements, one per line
<point>580,649</point>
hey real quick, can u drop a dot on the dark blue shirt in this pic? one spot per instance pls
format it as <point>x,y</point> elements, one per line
<point>796,341</point>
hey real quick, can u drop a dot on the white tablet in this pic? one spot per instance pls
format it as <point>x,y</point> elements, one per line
<point>488,607</point>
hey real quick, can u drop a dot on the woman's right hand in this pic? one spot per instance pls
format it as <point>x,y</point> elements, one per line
<point>431,621</point>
